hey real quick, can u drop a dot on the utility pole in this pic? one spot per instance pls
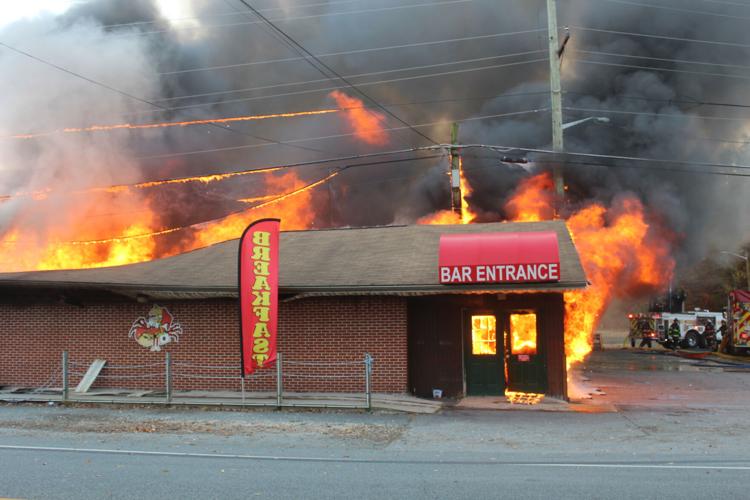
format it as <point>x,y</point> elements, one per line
<point>747,268</point>
<point>556,98</point>
<point>455,172</point>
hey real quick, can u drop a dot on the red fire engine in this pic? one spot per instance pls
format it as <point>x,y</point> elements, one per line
<point>739,322</point>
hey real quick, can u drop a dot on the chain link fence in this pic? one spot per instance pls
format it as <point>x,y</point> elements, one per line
<point>216,380</point>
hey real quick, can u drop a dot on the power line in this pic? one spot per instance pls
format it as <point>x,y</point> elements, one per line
<point>659,115</point>
<point>150,103</point>
<point>351,52</point>
<point>646,167</point>
<point>358,75</point>
<point>276,199</point>
<point>661,59</point>
<point>677,9</point>
<point>365,84</point>
<point>339,136</point>
<point>297,47</point>
<point>224,14</point>
<point>614,157</point>
<point>298,18</point>
<point>661,37</point>
<point>670,101</point>
<point>654,68</point>
<point>722,2</point>
<point>236,173</point>
<point>687,136</point>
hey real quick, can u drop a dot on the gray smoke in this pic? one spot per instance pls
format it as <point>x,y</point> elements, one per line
<point>91,39</point>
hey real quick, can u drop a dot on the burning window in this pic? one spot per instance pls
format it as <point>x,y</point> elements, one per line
<point>523,333</point>
<point>483,335</point>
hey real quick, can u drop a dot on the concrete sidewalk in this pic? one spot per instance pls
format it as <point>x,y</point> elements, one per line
<point>394,402</point>
<point>380,402</point>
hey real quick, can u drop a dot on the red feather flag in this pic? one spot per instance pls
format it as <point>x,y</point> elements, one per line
<point>259,294</point>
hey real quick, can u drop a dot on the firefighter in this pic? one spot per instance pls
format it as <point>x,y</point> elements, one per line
<point>645,328</point>
<point>724,336</point>
<point>709,334</point>
<point>674,333</point>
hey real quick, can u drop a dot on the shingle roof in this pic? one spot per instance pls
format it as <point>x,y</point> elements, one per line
<point>349,261</point>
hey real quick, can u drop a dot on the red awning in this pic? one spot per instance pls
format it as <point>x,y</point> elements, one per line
<point>499,258</point>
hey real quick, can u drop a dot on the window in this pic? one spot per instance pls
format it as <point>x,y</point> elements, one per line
<point>523,333</point>
<point>483,335</point>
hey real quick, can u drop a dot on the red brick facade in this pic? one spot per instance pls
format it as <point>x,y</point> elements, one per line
<point>323,341</point>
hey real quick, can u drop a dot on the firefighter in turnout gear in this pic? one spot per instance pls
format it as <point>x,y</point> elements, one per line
<point>709,334</point>
<point>724,336</point>
<point>674,333</point>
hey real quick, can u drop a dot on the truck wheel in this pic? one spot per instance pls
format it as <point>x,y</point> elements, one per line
<point>691,339</point>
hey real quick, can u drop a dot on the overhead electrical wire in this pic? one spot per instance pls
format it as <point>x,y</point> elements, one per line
<point>338,136</point>
<point>650,168</point>
<point>660,59</point>
<point>207,178</point>
<point>686,136</point>
<point>679,100</point>
<point>181,124</point>
<point>297,18</point>
<point>145,101</point>
<point>656,68</point>
<point>675,9</point>
<point>351,52</point>
<point>223,175</point>
<point>658,115</point>
<point>276,199</point>
<point>322,67</point>
<point>228,14</point>
<point>338,87</point>
<point>611,157</point>
<point>724,2</point>
<point>661,37</point>
<point>357,75</point>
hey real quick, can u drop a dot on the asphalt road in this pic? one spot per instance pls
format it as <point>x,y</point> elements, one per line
<point>693,446</point>
<point>80,474</point>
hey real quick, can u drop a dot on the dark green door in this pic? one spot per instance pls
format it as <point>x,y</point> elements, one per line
<point>484,360</point>
<point>527,371</point>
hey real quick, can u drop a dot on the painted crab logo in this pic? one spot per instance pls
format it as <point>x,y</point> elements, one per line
<point>156,329</point>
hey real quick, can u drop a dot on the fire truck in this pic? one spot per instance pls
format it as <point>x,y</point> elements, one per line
<point>739,322</point>
<point>654,326</point>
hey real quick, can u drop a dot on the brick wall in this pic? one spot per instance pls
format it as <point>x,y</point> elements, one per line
<point>323,341</point>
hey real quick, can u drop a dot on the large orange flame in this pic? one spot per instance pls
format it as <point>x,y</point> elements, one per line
<point>366,125</point>
<point>83,241</point>
<point>619,250</point>
<point>533,200</point>
<point>466,216</point>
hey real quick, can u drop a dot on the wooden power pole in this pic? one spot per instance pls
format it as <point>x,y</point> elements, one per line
<point>455,172</point>
<point>556,98</point>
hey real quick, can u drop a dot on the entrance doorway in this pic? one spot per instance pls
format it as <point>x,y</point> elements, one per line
<point>484,356</point>
<point>525,367</point>
<point>503,352</point>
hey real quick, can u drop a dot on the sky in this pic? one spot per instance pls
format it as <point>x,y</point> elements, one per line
<point>13,10</point>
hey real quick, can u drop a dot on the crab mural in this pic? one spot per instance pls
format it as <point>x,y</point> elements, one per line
<point>158,328</point>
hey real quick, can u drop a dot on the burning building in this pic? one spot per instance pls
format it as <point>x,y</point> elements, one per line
<point>463,309</point>
<point>186,154</point>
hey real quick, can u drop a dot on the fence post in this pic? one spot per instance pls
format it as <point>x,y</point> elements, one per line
<point>65,375</point>
<point>368,385</point>
<point>279,382</point>
<point>168,376</point>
